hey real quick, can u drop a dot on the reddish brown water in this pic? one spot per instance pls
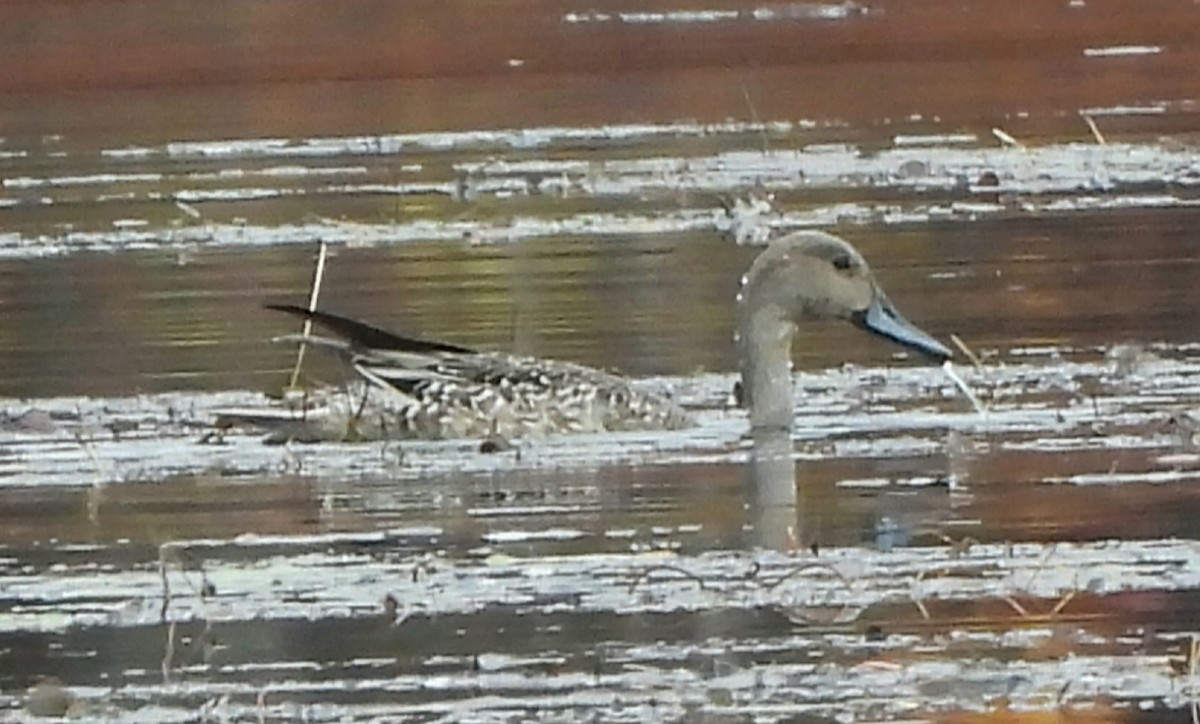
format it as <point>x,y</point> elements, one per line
<point>153,71</point>
<point>548,179</point>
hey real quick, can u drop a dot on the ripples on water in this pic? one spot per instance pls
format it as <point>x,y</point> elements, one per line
<point>1041,557</point>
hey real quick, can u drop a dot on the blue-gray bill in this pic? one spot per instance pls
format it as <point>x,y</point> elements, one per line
<point>883,319</point>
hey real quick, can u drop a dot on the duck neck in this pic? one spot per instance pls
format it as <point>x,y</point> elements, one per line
<point>765,355</point>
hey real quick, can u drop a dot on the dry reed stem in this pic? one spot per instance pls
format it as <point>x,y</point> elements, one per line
<point>1012,602</point>
<point>1062,603</point>
<point>1007,139</point>
<point>314,295</point>
<point>961,384</point>
<point>168,661</point>
<point>921,607</point>
<point>1095,130</point>
<point>967,351</point>
<point>762,129</point>
<point>920,604</point>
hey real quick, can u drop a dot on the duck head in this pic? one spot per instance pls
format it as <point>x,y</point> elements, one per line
<point>808,275</point>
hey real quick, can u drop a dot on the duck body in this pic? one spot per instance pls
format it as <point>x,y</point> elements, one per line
<point>480,395</point>
<point>415,389</point>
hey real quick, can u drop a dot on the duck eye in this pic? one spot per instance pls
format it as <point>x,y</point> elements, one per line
<point>842,262</point>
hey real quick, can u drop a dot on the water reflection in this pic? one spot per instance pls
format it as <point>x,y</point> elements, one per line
<point>780,518</point>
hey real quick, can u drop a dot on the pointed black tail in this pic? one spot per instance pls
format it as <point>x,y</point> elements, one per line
<point>365,336</point>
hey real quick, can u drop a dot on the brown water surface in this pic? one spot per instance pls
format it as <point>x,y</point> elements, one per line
<point>589,183</point>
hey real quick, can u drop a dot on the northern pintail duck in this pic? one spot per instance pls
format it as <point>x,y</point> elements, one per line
<point>412,388</point>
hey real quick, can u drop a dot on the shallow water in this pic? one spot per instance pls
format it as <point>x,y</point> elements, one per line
<point>1039,560</point>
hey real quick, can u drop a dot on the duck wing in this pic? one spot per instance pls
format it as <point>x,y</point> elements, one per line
<point>385,358</point>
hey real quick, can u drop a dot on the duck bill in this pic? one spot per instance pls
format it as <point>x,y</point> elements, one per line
<point>882,319</point>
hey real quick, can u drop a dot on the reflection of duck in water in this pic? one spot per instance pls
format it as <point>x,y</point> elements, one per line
<point>413,388</point>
